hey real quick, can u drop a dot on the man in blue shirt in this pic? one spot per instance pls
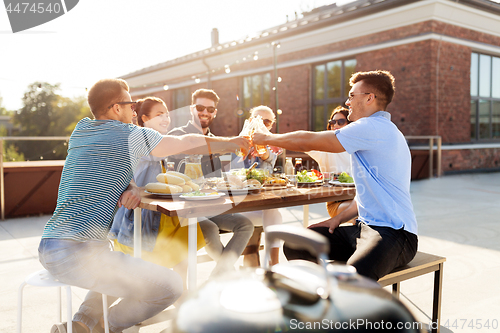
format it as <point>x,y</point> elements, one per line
<point>96,180</point>
<point>385,234</point>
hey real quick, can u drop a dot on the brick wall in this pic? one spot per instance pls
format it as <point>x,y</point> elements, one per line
<point>470,159</point>
<point>432,96</point>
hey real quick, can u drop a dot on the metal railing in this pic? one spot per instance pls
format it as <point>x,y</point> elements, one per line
<point>431,139</point>
<point>19,138</point>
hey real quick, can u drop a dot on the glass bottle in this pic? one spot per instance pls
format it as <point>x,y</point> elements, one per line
<point>289,169</point>
<point>170,166</point>
<point>298,164</point>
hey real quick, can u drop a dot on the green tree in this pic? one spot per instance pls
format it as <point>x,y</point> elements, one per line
<point>10,151</point>
<point>3,111</point>
<point>45,113</point>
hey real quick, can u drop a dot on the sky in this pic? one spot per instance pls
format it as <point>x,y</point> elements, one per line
<point>110,38</point>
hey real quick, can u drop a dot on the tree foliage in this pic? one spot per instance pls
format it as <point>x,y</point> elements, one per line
<point>45,113</point>
<point>9,150</point>
<point>3,111</point>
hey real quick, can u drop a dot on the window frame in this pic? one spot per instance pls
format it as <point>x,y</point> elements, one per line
<point>327,103</point>
<point>478,99</point>
<point>243,112</point>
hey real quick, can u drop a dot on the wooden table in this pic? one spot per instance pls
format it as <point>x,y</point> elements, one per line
<point>265,199</point>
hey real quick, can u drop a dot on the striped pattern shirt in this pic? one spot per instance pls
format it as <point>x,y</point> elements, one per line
<point>102,156</point>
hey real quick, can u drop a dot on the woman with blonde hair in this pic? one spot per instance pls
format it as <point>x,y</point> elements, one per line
<point>266,217</point>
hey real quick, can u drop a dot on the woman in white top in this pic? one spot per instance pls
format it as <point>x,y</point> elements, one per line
<point>263,217</point>
<point>335,162</point>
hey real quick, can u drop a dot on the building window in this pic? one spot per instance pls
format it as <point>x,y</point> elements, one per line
<point>256,90</point>
<point>180,114</point>
<point>485,97</point>
<point>330,89</point>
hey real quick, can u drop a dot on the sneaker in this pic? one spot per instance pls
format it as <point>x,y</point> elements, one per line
<point>62,328</point>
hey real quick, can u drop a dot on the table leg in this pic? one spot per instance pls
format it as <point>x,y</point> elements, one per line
<point>137,233</point>
<point>192,249</point>
<point>305,208</point>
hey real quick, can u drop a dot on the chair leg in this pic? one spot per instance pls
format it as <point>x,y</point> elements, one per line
<point>69,310</point>
<point>105,312</point>
<point>20,306</point>
<point>59,304</point>
<point>436,302</point>
<point>396,287</point>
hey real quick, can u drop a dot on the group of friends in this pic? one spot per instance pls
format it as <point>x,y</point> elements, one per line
<point>119,151</point>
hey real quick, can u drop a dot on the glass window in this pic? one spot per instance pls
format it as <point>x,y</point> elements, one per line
<point>331,87</point>
<point>247,92</point>
<point>349,68</point>
<point>474,74</point>
<point>495,79</point>
<point>473,108</point>
<point>485,97</point>
<point>484,75</point>
<point>181,97</point>
<point>319,81</point>
<point>180,115</point>
<point>484,119</point>
<point>495,120</point>
<point>319,112</point>
<point>257,96</point>
<point>266,87</point>
<point>256,90</point>
<point>334,81</point>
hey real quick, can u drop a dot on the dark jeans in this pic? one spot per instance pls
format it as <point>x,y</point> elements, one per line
<point>374,251</point>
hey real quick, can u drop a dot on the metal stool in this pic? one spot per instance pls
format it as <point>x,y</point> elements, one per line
<point>44,279</point>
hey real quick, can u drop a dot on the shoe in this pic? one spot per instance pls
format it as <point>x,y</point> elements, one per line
<point>62,328</point>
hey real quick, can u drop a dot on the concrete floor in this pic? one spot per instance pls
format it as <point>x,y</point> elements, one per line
<point>458,216</point>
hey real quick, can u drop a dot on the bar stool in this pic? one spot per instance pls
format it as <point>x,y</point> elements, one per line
<point>44,279</point>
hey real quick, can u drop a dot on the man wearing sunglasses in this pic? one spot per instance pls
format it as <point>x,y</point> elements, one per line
<point>96,180</point>
<point>203,112</point>
<point>385,234</point>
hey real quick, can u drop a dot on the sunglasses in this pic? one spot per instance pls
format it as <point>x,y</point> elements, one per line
<point>341,122</point>
<point>132,104</point>
<point>200,108</point>
<point>268,122</point>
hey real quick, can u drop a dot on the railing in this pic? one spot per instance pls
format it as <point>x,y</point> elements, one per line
<point>431,139</point>
<point>19,138</point>
<point>431,151</point>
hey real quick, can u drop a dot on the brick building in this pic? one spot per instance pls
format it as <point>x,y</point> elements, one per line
<point>445,56</point>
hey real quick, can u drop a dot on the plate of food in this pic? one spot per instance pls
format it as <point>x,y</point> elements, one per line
<point>309,178</point>
<point>165,195</point>
<point>337,183</point>
<point>344,179</point>
<point>257,174</point>
<point>165,190</point>
<point>232,185</point>
<point>199,195</point>
<point>276,182</point>
<point>314,183</point>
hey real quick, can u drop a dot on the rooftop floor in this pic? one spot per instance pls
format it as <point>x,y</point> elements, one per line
<point>458,216</point>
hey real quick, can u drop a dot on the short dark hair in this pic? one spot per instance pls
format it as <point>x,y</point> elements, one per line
<point>104,93</point>
<point>205,93</point>
<point>339,109</point>
<point>380,82</point>
<point>144,106</point>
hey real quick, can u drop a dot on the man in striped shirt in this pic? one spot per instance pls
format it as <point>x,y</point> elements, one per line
<point>96,179</point>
